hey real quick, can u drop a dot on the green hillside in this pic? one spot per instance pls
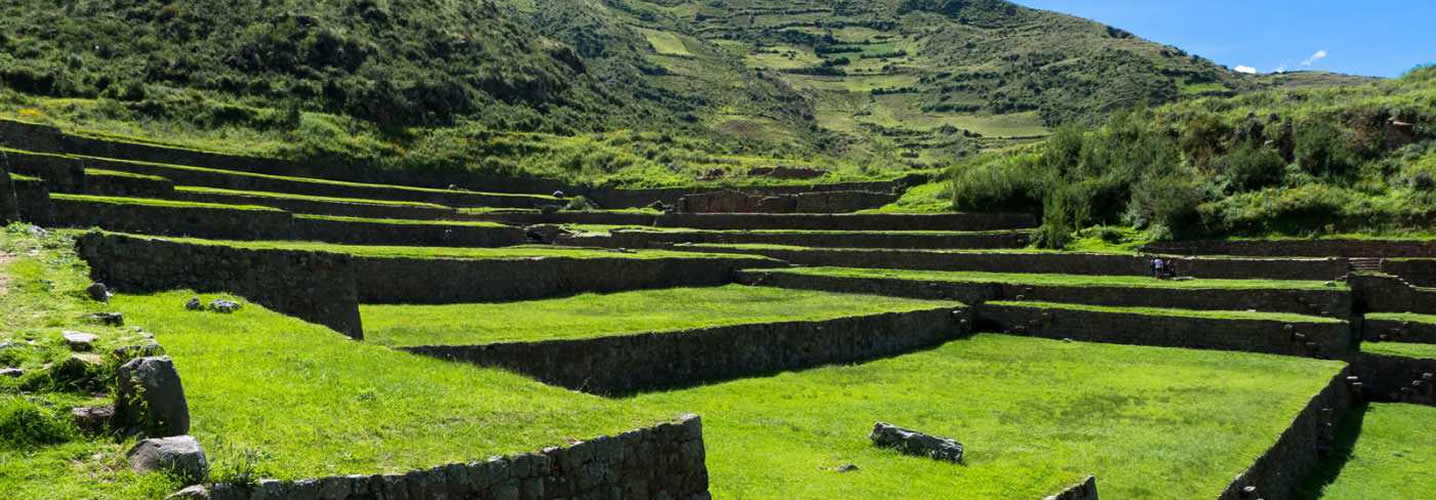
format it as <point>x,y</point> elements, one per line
<point>620,92</point>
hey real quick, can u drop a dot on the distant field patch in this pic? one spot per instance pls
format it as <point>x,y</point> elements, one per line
<point>665,43</point>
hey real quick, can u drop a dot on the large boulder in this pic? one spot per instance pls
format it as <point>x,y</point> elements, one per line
<point>151,399</point>
<point>179,455</point>
<point>916,443</point>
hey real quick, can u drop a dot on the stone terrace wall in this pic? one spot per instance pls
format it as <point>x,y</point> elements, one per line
<point>528,218</point>
<point>386,280</point>
<point>667,461</point>
<point>1057,263</point>
<point>1419,272</point>
<point>123,185</point>
<point>344,209</point>
<point>33,200</point>
<point>1085,490</point>
<point>1330,303</point>
<point>814,202</point>
<point>1298,248</point>
<point>1396,378</point>
<point>836,239</point>
<point>203,222</point>
<point>1386,330</point>
<point>1280,472</point>
<point>314,286</point>
<point>1265,336</point>
<point>62,174</point>
<point>631,363</point>
<point>240,181</point>
<point>629,198</point>
<point>836,202</point>
<point>1382,293</point>
<point>9,206</point>
<point>851,222</point>
<point>352,232</point>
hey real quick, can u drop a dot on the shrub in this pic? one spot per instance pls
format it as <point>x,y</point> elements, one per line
<point>1323,149</point>
<point>25,425</point>
<point>1251,167</point>
<point>1011,183</point>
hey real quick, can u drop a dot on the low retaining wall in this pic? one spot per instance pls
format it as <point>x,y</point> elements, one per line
<point>1388,330</point>
<point>1329,303</point>
<point>245,181</point>
<point>1279,473</point>
<point>1396,378</point>
<point>1384,293</point>
<point>32,199</point>
<point>1298,248</point>
<point>665,461</point>
<point>1419,272</point>
<point>529,218</point>
<point>1085,490</point>
<point>1050,263</point>
<point>62,174</point>
<point>9,205</point>
<point>337,208</point>
<point>387,280</point>
<point>627,364</point>
<point>852,222</point>
<point>203,222</point>
<point>812,202</point>
<point>1325,340</point>
<point>125,185</point>
<point>630,198</point>
<point>359,232</point>
<point>835,239</point>
<point>317,287</point>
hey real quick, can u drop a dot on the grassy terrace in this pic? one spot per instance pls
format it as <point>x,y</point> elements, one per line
<point>301,197</point>
<point>1412,317</point>
<point>1069,280</point>
<point>515,252</point>
<point>606,229</point>
<point>1403,349</point>
<point>1393,456</point>
<point>309,180</point>
<point>1035,415</point>
<point>594,315</point>
<point>100,172</point>
<point>407,222</point>
<point>1183,313</point>
<point>152,202</point>
<point>312,402</point>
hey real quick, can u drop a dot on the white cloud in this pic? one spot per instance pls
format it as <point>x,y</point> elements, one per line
<point>1319,55</point>
<point>1279,69</point>
<point>1246,69</point>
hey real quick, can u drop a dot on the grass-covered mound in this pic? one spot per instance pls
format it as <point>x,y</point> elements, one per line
<point>289,399</point>
<point>1035,415</point>
<point>594,315</point>
<point>1066,280</point>
<point>1392,459</point>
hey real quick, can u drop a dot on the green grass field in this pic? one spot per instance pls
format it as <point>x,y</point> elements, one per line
<point>260,195</point>
<point>311,402</point>
<point>1183,313</point>
<point>153,202</point>
<point>407,222</point>
<point>100,172</point>
<point>1073,280</point>
<point>594,315</point>
<point>1412,317</point>
<point>1035,416</point>
<point>1392,459</point>
<point>665,43</point>
<point>1403,349</point>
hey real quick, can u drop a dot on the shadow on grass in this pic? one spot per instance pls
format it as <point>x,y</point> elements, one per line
<point>1341,453</point>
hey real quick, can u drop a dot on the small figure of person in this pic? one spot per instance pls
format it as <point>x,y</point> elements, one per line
<point>1158,267</point>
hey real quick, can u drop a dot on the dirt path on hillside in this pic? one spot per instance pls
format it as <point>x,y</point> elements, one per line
<point>4,277</point>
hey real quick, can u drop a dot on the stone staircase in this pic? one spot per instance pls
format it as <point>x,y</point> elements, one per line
<point>1365,264</point>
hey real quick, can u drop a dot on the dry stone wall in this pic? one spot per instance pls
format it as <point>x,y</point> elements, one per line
<point>124,185</point>
<point>388,280</point>
<point>1324,340</point>
<point>665,461</point>
<point>1298,248</point>
<point>317,287</point>
<point>1053,263</point>
<point>1396,378</point>
<point>32,198</point>
<point>836,239</point>
<point>337,208</point>
<point>1085,490</point>
<point>1385,293</point>
<point>203,222</point>
<point>61,174</point>
<point>1334,303</point>
<point>353,232</point>
<point>851,222</point>
<point>9,206</point>
<point>813,202</point>
<point>1419,272</point>
<point>1388,330</point>
<point>626,364</point>
<point>1279,473</point>
<point>630,198</point>
<point>529,218</point>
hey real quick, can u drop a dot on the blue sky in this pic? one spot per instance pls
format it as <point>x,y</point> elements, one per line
<point>1367,37</point>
